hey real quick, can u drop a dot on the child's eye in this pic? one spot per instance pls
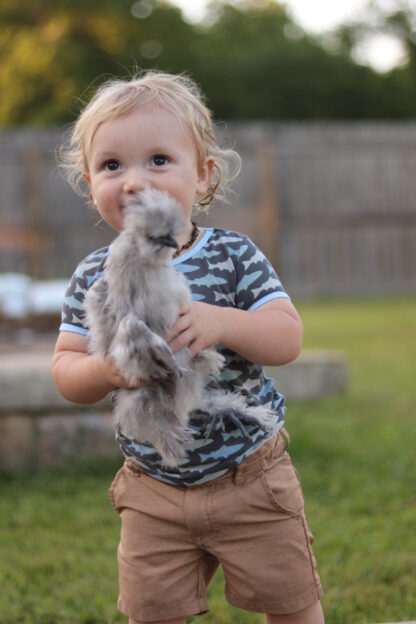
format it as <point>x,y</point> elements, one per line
<point>111,165</point>
<point>159,160</point>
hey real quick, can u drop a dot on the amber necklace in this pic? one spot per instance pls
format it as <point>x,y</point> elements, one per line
<point>194,234</point>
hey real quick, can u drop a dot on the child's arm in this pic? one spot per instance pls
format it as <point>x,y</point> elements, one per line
<point>271,335</point>
<point>80,377</point>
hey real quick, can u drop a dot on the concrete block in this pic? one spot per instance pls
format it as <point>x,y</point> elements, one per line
<point>26,384</point>
<point>41,429</point>
<point>17,441</point>
<point>315,374</point>
<point>74,437</point>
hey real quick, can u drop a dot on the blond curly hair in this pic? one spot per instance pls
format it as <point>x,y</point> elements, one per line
<point>178,94</point>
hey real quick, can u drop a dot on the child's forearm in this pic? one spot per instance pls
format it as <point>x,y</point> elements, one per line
<point>269,336</point>
<point>79,377</point>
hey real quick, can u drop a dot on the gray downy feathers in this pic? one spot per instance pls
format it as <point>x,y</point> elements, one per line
<point>130,311</point>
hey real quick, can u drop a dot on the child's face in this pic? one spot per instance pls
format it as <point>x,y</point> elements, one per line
<point>144,148</point>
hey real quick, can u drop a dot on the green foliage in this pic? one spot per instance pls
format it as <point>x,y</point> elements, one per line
<point>53,53</point>
<point>355,456</point>
<point>397,89</point>
<point>251,60</point>
<point>257,71</point>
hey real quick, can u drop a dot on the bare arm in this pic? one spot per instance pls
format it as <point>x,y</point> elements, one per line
<point>80,377</point>
<point>271,335</point>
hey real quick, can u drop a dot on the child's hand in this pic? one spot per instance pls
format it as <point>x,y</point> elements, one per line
<point>197,327</point>
<point>112,375</point>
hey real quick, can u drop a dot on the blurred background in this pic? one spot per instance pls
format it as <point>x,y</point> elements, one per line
<point>319,98</point>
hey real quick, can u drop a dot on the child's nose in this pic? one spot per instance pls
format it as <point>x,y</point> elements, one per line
<point>135,181</point>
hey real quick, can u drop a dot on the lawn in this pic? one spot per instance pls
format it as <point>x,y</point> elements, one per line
<point>356,458</point>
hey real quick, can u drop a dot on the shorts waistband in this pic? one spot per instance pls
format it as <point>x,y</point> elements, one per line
<point>249,467</point>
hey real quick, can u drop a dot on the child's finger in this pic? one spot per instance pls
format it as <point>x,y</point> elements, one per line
<point>195,347</point>
<point>185,309</point>
<point>121,382</point>
<point>181,324</point>
<point>181,340</point>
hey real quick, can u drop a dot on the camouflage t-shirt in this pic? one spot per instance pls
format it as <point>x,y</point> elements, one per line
<point>226,269</point>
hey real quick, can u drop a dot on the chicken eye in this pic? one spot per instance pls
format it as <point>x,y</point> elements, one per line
<point>111,165</point>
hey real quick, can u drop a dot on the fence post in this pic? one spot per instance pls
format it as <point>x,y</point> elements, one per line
<point>35,210</point>
<point>268,207</point>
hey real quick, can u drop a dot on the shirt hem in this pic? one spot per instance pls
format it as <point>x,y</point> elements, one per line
<point>187,482</point>
<point>67,327</point>
<point>267,298</point>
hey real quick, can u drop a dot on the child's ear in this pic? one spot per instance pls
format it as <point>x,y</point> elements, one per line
<point>204,175</point>
<point>87,179</point>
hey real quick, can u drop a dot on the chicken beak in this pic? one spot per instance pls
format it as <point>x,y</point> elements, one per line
<point>168,241</point>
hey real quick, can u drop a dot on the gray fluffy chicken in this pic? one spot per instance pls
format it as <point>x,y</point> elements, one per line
<point>130,311</point>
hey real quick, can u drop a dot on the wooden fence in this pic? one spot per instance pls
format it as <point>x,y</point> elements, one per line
<point>331,204</point>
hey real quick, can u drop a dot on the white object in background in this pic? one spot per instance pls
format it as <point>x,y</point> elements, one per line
<point>20,295</point>
<point>47,297</point>
<point>14,294</point>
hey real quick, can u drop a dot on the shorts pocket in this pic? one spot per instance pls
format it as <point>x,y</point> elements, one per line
<point>282,486</point>
<point>112,494</point>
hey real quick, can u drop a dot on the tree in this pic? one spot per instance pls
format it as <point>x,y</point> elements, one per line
<point>250,58</point>
<point>53,52</point>
<point>257,70</point>
<point>397,91</point>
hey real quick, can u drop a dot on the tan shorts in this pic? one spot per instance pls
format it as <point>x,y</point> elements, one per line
<point>251,521</point>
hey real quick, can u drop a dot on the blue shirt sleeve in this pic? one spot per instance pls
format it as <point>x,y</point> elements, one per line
<point>257,282</point>
<point>73,308</point>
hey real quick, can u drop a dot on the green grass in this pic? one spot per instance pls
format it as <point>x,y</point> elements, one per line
<point>356,458</point>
